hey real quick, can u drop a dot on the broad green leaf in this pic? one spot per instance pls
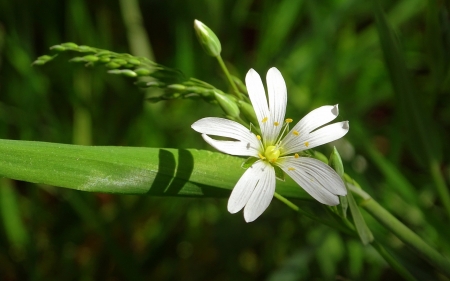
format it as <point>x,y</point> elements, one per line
<point>127,170</point>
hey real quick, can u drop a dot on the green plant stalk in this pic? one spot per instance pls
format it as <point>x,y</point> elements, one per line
<point>441,187</point>
<point>393,262</point>
<point>347,229</point>
<point>402,232</point>
<point>229,78</point>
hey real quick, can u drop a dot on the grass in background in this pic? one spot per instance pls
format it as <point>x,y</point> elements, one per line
<point>396,97</point>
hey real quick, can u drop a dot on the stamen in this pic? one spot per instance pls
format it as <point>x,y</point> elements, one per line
<point>258,137</point>
<point>288,120</point>
<point>290,169</point>
<point>260,156</point>
<point>276,123</point>
<point>295,133</point>
<point>264,120</point>
<point>306,143</point>
<point>296,155</point>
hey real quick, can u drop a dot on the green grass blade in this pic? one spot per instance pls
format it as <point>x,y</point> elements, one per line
<point>127,170</point>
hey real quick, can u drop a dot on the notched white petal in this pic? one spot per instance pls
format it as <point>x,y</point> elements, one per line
<point>244,142</point>
<point>243,189</point>
<point>319,137</point>
<point>316,178</point>
<point>277,93</point>
<point>263,193</point>
<point>238,148</point>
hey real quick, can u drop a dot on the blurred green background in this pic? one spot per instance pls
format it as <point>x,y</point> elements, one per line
<point>328,52</point>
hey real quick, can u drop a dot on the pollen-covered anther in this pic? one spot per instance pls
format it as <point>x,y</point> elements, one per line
<point>290,169</point>
<point>295,133</point>
<point>258,137</point>
<point>306,143</point>
<point>289,120</point>
<point>264,120</point>
<point>296,155</point>
<point>276,123</point>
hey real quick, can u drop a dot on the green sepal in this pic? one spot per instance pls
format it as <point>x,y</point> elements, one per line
<point>249,162</point>
<point>279,173</point>
<point>320,156</point>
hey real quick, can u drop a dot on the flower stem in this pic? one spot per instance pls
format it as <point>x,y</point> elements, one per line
<point>441,187</point>
<point>393,262</point>
<point>402,232</point>
<point>230,80</point>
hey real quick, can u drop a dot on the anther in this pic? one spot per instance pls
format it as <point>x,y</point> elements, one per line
<point>264,120</point>
<point>290,169</point>
<point>258,137</point>
<point>288,120</point>
<point>295,133</point>
<point>276,123</point>
<point>306,143</point>
<point>296,155</point>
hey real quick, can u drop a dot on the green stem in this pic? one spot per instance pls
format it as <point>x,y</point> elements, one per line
<point>393,262</point>
<point>441,187</point>
<point>347,229</point>
<point>230,80</point>
<point>402,232</point>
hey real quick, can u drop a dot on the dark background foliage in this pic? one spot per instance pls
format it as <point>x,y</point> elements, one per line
<point>328,51</point>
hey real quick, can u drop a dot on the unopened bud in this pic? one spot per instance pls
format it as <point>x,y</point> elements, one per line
<point>134,61</point>
<point>208,39</point>
<point>227,104</point>
<point>142,71</point>
<point>90,58</point>
<point>248,112</point>
<point>69,45</point>
<point>177,87</point>
<point>57,48</point>
<point>112,65</point>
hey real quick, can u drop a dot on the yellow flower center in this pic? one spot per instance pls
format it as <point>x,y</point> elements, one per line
<point>272,153</point>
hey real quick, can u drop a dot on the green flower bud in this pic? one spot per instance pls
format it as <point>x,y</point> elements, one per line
<point>119,61</point>
<point>227,104</point>
<point>155,84</point>
<point>69,45</point>
<point>85,49</point>
<point>112,65</point>
<point>128,73</point>
<point>57,48</point>
<point>248,112</point>
<point>336,162</point>
<point>208,39</point>
<point>77,59</point>
<point>142,71</point>
<point>115,71</point>
<point>134,61</point>
<point>104,59</point>
<point>177,87</point>
<point>90,58</point>
<point>319,156</point>
<point>103,53</point>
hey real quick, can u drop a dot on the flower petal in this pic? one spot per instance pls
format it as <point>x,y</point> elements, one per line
<point>324,135</point>
<point>316,178</point>
<point>246,145</point>
<point>313,120</point>
<point>258,98</point>
<point>263,193</point>
<point>244,188</point>
<point>276,88</point>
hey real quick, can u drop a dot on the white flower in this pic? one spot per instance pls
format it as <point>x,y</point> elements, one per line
<point>275,147</point>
